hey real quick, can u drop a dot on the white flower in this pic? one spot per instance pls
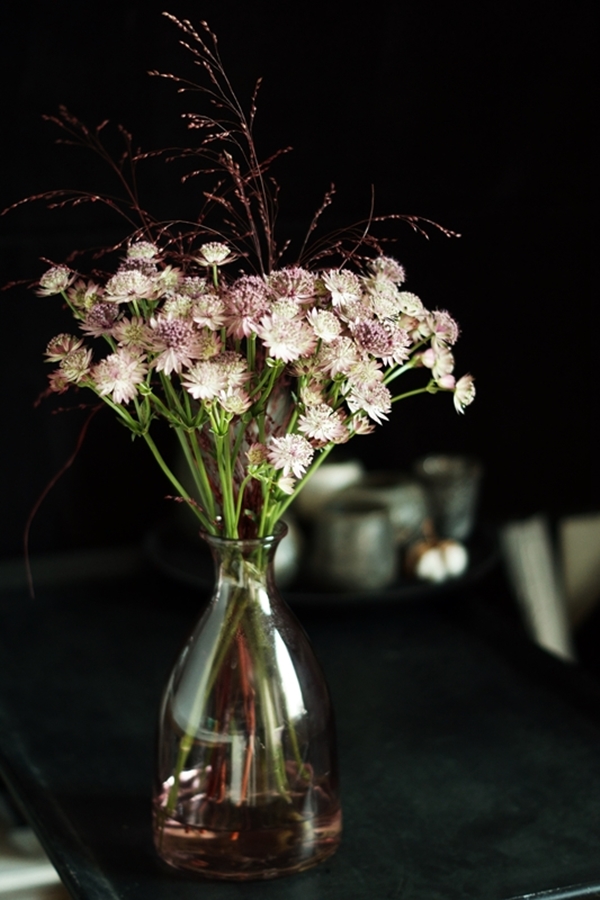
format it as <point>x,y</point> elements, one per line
<point>443,327</point>
<point>440,360</point>
<point>464,393</point>
<point>76,364</point>
<point>325,324</point>
<point>339,356</point>
<point>343,285</point>
<point>119,374</point>
<point>214,254</point>
<point>323,424</point>
<point>410,304</point>
<point>384,267</point>
<point>286,338</point>
<point>54,281</point>
<point>131,284</point>
<point>292,453</point>
<point>286,484</point>
<point>373,399</point>
<point>211,378</point>
<point>142,250</point>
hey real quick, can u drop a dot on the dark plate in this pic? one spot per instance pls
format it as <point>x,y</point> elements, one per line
<point>189,562</point>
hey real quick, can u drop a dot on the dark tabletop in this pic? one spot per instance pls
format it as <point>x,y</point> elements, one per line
<point>470,760</point>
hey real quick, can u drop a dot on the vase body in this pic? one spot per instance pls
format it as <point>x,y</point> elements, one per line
<point>246,782</point>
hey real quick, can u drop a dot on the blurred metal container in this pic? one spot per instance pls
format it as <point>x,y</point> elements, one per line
<point>404,497</point>
<point>452,485</point>
<point>353,546</point>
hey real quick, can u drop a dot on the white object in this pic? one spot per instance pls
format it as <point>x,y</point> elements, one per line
<point>527,549</point>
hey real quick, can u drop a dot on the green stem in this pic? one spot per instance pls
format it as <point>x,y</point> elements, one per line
<point>208,526</point>
<point>431,388</point>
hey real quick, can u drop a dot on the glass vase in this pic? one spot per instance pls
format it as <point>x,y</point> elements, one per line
<point>246,782</point>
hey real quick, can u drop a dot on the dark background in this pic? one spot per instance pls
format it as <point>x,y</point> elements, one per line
<point>478,118</point>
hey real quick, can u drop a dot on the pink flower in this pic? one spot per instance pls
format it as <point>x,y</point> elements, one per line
<point>440,360</point>
<point>100,319</point>
<point>246,302</point>
<point>177,343</point>
<point>292,453</point>
<point>339,356</point>
<point>61,345</point>
<point>119,374</point>
<point>293,283</point>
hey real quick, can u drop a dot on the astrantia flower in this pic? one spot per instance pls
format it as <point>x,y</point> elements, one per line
<point>323,424</point>
<point>293,283</point>
<point>100,319</point>
<point>177,307</point>
<point>410,304</point>
<point>133,333</point>
<point>286,484</point>
<point>286,338</point>
<point>76,365</point>
<point>119,374</point>
<point>439,360</point>
<point>339,356</point>
<point>167,280</point>
<point>291,453</point>
<point>246,302</point>
<point>54,281</point>
<point>84,295</point>
<point>58,384</point>
<point>464,393</point>
<point>209,310</point>
<point>359,424</point>
<point>177,343</point>
<point>235,401</point>
<point>142,250</point>
<point>325,324</point>
<point>344,286</point>
<point>443,327</point>
<point>373,337</point>
<point>130,284</point>
<point>61,345</point>
<point>256,454</point>
<point>193,286</point>
<point>374,399</point>
<point>207,379</point>
<point>214,254</point>
<point>384,299</point>
<point>384,267</point>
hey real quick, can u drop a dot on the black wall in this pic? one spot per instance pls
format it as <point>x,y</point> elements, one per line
<point>479,118</point>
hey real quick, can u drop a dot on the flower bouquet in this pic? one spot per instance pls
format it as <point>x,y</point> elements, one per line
<point>260,367</point>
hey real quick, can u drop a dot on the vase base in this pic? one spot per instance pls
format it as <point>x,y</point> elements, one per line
<point>248,854</point>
